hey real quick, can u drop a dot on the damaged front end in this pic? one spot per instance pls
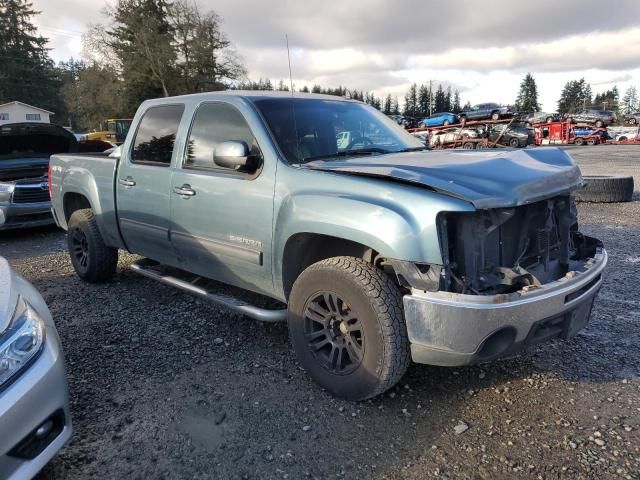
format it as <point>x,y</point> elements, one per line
<point>504,250</point>
<point>511,277</point>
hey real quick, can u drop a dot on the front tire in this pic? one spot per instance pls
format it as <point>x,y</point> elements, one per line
<point>495,116</point>
<point>347,327</point>
<point>599,124</point>
<point>92,260</point>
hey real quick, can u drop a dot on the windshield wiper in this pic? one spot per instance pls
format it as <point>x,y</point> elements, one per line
<point>412,149</point>
<point>347,153</point>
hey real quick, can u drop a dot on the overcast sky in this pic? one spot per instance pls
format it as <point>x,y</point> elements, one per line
<point>482,48</point>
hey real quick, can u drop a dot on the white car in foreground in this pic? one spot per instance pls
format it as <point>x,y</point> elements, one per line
<point>34,398</point>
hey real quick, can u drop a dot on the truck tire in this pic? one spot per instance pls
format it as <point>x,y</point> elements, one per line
<point>605,189</point>
<point>579,141</point>
<point>495,116</point>
<point>92,260</point>
<point>347,327</point>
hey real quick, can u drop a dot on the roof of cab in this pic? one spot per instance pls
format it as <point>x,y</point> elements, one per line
<point>247,94</point>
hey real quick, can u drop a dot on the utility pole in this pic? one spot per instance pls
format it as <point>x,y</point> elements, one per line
<point>430,95</point>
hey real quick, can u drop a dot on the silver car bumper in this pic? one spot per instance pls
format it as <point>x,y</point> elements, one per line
<point>23,215</point>
<point>452,329</point>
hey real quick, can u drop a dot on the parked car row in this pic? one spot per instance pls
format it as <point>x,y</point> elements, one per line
<point>494,111</point>
<point>514,135</point>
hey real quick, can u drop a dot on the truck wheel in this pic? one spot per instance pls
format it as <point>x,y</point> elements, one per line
<point>92,260</point>
<point>468,146</point>
<point>347,327</point>
<point>495,116</point>
<point>605,189</point>
<point>579,141</point>
<point>591,142</point>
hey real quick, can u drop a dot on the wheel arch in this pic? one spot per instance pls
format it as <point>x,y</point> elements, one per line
<point>72,201</point>
<point>304,249</point>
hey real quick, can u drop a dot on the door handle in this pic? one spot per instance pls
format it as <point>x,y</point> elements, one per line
<point>127,182</point>
<point>185,190</point>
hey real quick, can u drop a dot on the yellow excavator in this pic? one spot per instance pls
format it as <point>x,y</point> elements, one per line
<point>115,132</point>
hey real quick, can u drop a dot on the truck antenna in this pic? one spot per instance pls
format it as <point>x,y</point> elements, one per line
<point>289,60</point>
<point>293,107</point>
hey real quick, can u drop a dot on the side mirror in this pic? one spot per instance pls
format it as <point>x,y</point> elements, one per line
<point>233,155</point>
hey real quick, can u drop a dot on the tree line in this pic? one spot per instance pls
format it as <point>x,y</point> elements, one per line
<point>154,48</point>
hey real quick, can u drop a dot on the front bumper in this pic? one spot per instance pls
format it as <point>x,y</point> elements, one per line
<point>38,394</point>
<point>23,215</point>
<point>451,329</point>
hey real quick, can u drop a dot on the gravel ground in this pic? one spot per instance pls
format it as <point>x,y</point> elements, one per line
<point>165,386</point>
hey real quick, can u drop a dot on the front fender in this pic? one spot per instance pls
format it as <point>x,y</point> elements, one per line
<point>389,229</point>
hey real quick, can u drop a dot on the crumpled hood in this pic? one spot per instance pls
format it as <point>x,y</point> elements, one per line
<point>487,178</point>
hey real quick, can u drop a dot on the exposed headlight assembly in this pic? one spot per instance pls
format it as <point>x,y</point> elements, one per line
<point>21,343</point>
<point>6,189</point>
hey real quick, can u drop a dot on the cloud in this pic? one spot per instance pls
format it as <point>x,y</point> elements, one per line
<point>481,48</point>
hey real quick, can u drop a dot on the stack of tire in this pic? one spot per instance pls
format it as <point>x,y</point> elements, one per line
<point>605,189</point>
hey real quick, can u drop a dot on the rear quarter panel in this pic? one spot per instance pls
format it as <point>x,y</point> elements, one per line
<point>91,176</point>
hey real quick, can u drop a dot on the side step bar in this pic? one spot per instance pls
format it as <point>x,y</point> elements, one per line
<point>145,267</point>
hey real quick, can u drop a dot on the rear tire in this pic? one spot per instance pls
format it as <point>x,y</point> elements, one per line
<point>446,122</point>
<point>632,121</point>
<point>92,260</point>
<point>495,116</point>
<point>347,327</point>
<point>591,142</point>
<point>579,141</point>
<point>469,146</point>
<point>514,142</point>
<point>599,124</point>
<point>549,119</point>
<point>605,189</point>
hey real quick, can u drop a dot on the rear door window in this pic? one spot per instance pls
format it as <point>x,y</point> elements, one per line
<point>156,135</point>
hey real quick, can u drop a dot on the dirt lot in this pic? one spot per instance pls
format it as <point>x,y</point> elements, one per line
<point>165,386</point>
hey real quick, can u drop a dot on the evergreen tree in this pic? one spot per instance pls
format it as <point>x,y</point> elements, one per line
<point>575,96</point>
<point>142,41</point>
<point>448,100</point>
<point>440,100</point>
<point>607,100</point>
<point>411,101</point>
<point>304,89</point>
<point>630,101</point>
<point>456,108</point>
<point>424,101</point>
<point>527,100</point>
<point>387,105</point>
<point>27,74</point>
<point>282,87</point>
<point>395,107</point>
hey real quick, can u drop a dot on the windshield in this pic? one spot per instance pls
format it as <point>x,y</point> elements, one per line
<point>329,128</point>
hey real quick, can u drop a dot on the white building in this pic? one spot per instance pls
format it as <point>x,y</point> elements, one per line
<point>18,112</point>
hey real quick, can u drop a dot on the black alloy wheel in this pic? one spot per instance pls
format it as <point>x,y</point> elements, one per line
<point>334,333</point>
<point>79,247</point>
